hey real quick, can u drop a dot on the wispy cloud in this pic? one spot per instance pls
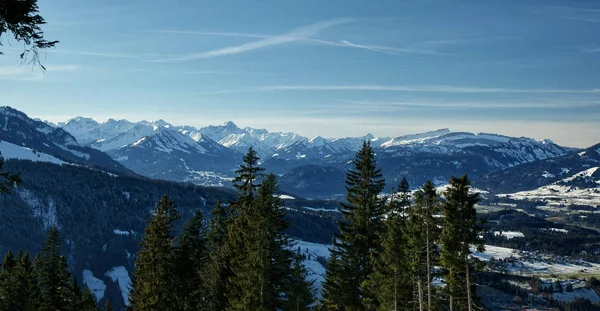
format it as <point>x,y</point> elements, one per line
<point>142,56</point>
<point>28,73</point>
<point>417,88</point>
<point>295,35</point>
<point>572,13</point>
<point>209,33</point>
<point>318,41</point>
<point>394,105</point>
<point>590,50</point>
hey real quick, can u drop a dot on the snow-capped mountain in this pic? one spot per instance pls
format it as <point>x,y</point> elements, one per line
<point>435,155</point>
<point>169,154</point>
<point>537,174</point>
<point>20,130</point>
<point>87,130</point>
<point>581,188</point>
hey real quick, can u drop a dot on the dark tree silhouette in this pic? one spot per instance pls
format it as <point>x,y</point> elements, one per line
<point>20,20</point>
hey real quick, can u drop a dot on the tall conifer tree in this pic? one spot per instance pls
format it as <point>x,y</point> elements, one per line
<point>359,235</point>
<point>53,276</point>
<point>299,296</point>
<point>219,267</point>
<point>155,264</point>
<point>191,288</point>
<point>460,230</point>
<point>390,281</point>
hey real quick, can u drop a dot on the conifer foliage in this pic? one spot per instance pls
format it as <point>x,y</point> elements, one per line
<point>42,284</point>
<point>359,238</point>
<point>384,258</point>
<point>460,230</point>
<point>155,264</point>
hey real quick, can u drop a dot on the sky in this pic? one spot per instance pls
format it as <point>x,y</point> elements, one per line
<point>330,68</point>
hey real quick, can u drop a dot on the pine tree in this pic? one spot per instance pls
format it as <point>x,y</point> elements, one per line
<point>403,198</point>
<point>261,257</point>
<point>155,268</point>
<point>53,276</point>
<point>219,266</point>
<point>427,202</point>
<point>191,266</point>
<point>7,179</point>
<point>7,299</point>
<point>18,289</point>
<point>107,306</point>
<point>359,235</point>
<point>300,290</point>
<point>460,230</point>
<point>390,282</point>
<point>87,301</point>
<point>246,180</point>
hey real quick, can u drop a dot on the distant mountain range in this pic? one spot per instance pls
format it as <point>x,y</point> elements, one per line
<point>310,167</point>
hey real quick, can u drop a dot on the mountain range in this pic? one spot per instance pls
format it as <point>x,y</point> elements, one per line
<point>308,167</point>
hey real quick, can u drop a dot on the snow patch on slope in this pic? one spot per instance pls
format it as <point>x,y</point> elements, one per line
<point>120,275</point>
<point>316,271</point>
<point>96,286</point>
<point>12,151</point>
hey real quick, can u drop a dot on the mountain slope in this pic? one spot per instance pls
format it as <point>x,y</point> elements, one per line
<point>582,188</point>
<point>19,129</point>
<point>170,155</point>
<point>102,216</point>
<point>530,176</point>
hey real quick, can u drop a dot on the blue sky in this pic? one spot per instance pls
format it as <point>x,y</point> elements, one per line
<point>333,68</point>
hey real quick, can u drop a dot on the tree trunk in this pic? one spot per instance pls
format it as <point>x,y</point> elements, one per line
<point>451,297</point>
<point>428,269</point>
<point>396,293</point>
<point>421,303</point>
<point>469,302</point>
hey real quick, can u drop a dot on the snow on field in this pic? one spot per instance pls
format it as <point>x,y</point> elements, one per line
<point>96,286</point>
<point>510,234</point>
<point>585,293</point>
<point>12,151</point>
<point>529,263</point>
<point>121,275</point>
<point>315,269</point>
<point>494,251</point>
<point>561,193</point>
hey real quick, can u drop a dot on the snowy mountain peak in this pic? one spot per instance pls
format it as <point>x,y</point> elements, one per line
<point>82,121</point>
<point>230,125</point>
<point>161,123</point>
<point>415,138</point>
<point>318,141</point>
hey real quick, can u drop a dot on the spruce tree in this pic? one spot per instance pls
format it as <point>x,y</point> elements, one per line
<point>87,301</point>
<point>191,258</point>
<point>262,262</point>
<point>359,235</point>
<point>53,276</point>
<point>7,299</point>
<point>155,264</point>
<point>246,180</point>
<point>390,281</point>
<point>18,288</point>
<point>460,230</point>
<point>427,203</point>
<point>219,266</point>
<point>7,179</point>
<point>239,250</point>
<point>107,306</point>
<point>299,295</point>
